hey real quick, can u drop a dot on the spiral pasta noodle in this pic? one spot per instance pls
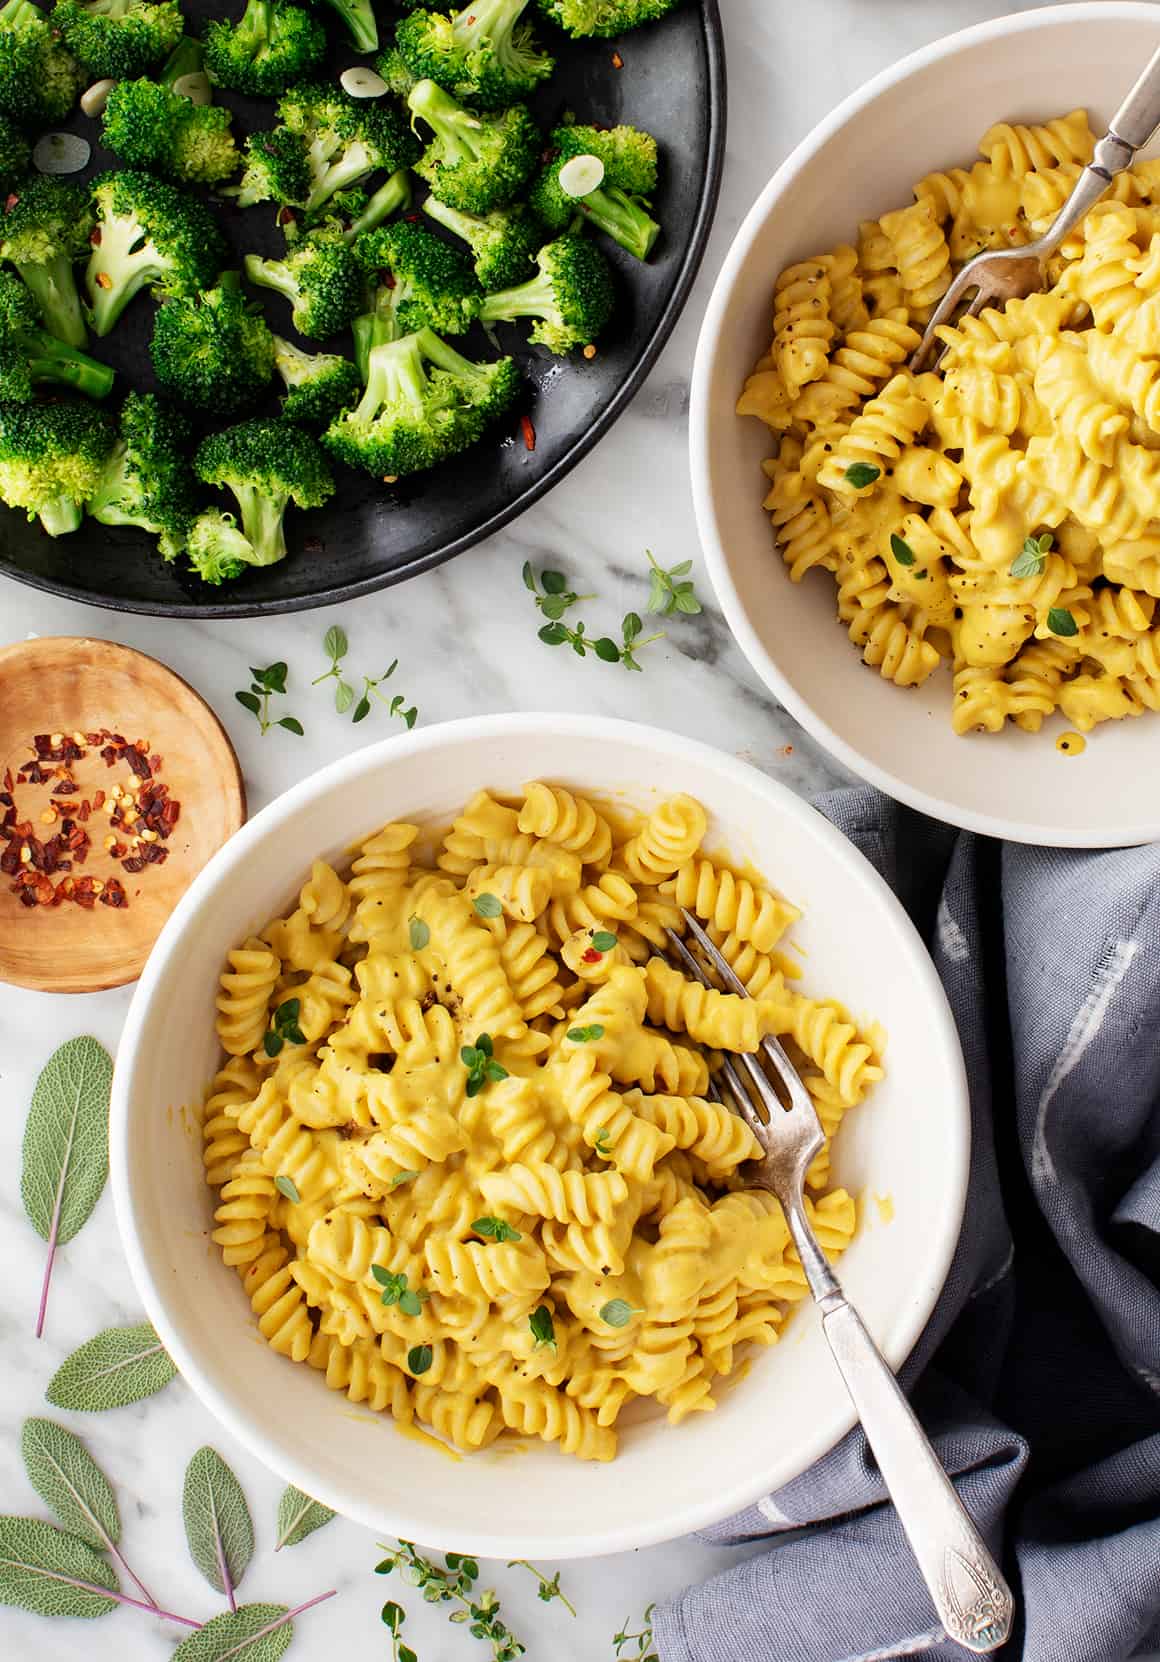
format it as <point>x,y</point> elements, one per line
<point>468,1161</point>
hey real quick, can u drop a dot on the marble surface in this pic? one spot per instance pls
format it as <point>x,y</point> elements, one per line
<point>465,639</point>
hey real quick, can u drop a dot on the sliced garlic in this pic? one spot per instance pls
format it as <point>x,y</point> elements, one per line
<point>94,99</point>
<point>362,83</point>
<point>61,153</point>
<point>580,175</point>
<point>195,87</point>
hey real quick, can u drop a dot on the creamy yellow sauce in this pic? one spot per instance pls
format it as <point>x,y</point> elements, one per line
<point>1071,744</point>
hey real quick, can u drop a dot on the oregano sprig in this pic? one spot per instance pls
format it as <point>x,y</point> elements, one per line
<point>482,1067</point>
<point>284,1027</point>
<point>336,646</point>
<point>1032,557</point>
<point>667,593</point>
<point>396,1291</point>
<point>393,1616</point>
<point>395,706</point>
<point>557,596</point>
<point>266,682</point>
<point>604,647</point>
<point>66,1147</point>
<point>456,1585</point>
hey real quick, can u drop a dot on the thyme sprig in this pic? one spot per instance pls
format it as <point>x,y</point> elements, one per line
<point>643,1640</point>
<point>456,1585</point>
<point>271,680</point>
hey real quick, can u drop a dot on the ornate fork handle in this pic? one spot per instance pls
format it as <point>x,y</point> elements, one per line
<point>973,1600</point>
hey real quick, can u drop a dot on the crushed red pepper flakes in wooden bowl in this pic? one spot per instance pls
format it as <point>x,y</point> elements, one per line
<point>117,784</point>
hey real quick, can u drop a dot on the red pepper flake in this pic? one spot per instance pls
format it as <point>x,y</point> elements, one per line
<point>135,863</point>
<point>98,799</point>
<point>528,431</point>
<point>155,761</point>
<point>84,811</point>
<point>591,955</point>
<point>617,61</point>
<point>113,894</point>
<point>9,782</point>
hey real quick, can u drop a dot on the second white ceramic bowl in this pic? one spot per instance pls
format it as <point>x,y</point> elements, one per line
<point>929,111</point>
<point>907,1146</point>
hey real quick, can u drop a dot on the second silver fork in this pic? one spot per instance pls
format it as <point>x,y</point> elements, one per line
<point>970,1595</point>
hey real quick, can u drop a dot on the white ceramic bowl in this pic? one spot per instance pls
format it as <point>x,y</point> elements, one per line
<point>928,111</point>
<point>909,1143</point>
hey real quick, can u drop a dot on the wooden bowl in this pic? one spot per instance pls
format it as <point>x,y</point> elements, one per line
<point>61,686</point>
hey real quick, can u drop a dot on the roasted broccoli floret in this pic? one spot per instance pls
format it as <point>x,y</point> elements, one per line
<point>482,54</point>
<point>51,459</point>
<point>622,165</point>
<point>504,242</point>
<point>273,45</point>
<point>213,350</point>
<point>148,479</point>
<point>149,235</point>
<point>475,162</point>
<point>39,77</point>
<point>30,355</point>
<point>267,465</point>
<point>121,38</point>
<point>423,402</point>
<point>45,228</point>
<point>318,385</point>
<point>430,284</point>
<point>321,279</point>
<point>358,16</point>
<point>604,17</point>
<point>392,197</point>
<point>276,170</point>
<point>392,66</point>
<point>571,297</point>
<point>152,125</point>
<point>15,153</point>
<point>347,139</point>
<point>216,549</point>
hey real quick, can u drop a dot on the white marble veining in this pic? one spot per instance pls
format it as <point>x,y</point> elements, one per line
<point>465,638</point>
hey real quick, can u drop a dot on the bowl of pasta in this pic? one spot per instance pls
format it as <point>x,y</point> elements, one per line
<point>417,1159</point>
<point>952,579</point>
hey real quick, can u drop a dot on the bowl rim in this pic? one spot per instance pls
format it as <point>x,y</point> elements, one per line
<point>709,531</point>
<point>248,1425</point>
<point>638,373</point>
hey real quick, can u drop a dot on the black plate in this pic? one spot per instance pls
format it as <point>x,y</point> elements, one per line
<point>672,83</point>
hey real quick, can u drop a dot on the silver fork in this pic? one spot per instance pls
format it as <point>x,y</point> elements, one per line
<point>973,1601</point>
<point>1006,274</point>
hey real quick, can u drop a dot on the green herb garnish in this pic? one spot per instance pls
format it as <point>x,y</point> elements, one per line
<point>549,1588</point>
<point>495,1229</point>
<point>543,1328</point>
<point>604,941</point>
<point>481,1065</point>
<point>283,1027</point>
<point>393,1616</point>
<point>418,933</point>
<point>336,645</point>
<point>666,595</point>
<point>419,1359</point>
<point>643,1641</point>
<point>266,681</point>
<point>396,1291</point>
<point>1061,622</point>
<point>371,684</point>
<point>618,1312</point>
<point>487,905</point>
<point>861,474</point>
<point>1032,557</point>
<point>600,1141</point>
<point>287,1186</point>
<point>606,649</point>
<point>557,596</point>
<point>403,1177</point>
<point>901,549</point>
<point>581,1035</point>
<point>454,1585</point>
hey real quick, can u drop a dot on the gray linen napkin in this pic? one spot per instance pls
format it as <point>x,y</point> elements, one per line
<point>1038,1375</point>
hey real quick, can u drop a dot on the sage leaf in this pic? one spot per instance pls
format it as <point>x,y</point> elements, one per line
<point>70,1483</point>
<point>218,1525</point>
<point>252,1633</point>
<point>66,1147</point>
<point>116,1367</point>
<point>298,1517</point>
<point>50,1573</point>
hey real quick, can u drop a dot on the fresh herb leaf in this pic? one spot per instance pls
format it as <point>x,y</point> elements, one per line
<point>419,1359</point>
<point>555,600</point>
<point>480,1064</point>
<point>668,595</point>
<point>252,1633</point>
<point>362,709</point>
<point>1061,622</point>
<point>218,1526</point>
<point>52,1574</point>
<point>116,1367</point>
<point>71,1484</point>
<point>334,642</point>
<point>618,1312</point>
<point>604,941</point>
<point>287,1186</point>
<point>1032,557</point>
<point>543,1327</point>
<point>267,682</point>
<point>298,1517</point>
<point>549,1588</point>
<point>284,1027</point>
<point>487,905</point>
<point>418,933</point>
<point>582,1035</point>
<point>496,1229</point>
<point>861,474</point>
<point>66,1147</point>
<point>396,1291</point>
<point>601,1140</point>
<point>403,1177</point>
<point>456,1585</point>
<point>343,696</point>
<point>643,1640</point>
<point>901,549</point>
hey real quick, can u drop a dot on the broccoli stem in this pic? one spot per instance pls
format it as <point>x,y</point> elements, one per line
<point>17,12</point>
<point>60,516</point>
<point>51,360</point>
<point>187,58</point>
<point>262,516</point>
<point>395,374</point>
<point>252,31</point>
<point>54,288</point>
<point>359,17</point>
<point>622,218</point>
<point>535,298</point>
<point>461,224</point>
<point>118,270</point>
<point>377,327</point>
<point>447,119</point>
<point>491,20</point>
<point>271,274</point>
<point>353,164</point>
<point>435,350</point>
<point>395,194</point>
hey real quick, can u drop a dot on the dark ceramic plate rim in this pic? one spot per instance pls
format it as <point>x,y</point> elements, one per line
<point>625,393</point>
